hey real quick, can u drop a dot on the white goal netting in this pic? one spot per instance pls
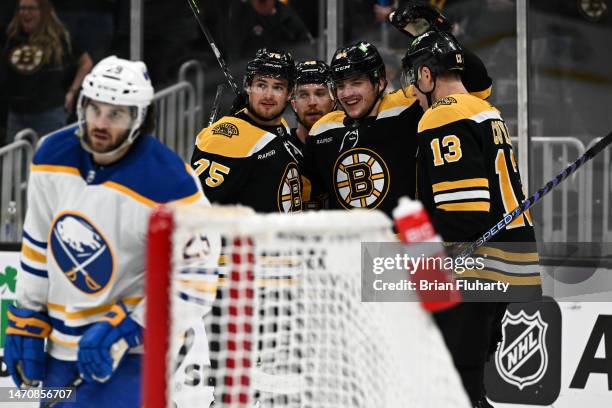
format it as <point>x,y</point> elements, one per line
<point>285,324</point>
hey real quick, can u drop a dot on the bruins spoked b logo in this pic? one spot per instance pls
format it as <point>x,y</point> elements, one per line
<point>290,190</point>
<point>82,253</point>
<point>362,178</point>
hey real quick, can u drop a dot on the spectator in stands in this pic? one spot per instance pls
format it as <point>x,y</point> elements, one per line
<point>91,24</point>
<point>41,70</point>
<point>271,24</point>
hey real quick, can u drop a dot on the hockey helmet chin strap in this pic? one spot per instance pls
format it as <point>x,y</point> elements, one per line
<point>427,94</point>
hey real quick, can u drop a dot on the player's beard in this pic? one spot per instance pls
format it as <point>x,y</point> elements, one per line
<point>108,148</point>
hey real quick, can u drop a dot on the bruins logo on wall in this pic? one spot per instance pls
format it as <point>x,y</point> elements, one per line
<point>362,179</point>
<point>225,129</point>
<point>290,190</point>
<point>26,59</point>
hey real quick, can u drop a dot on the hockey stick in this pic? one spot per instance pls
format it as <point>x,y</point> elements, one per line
<point>215,107</point>
<point>193,4</point>
<point>528,203</point>
<point>117,352</point>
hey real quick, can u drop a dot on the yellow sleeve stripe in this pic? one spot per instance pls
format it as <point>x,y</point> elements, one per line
<point>189,200</point>
<point>50,168</point>
<point>465,183</point>
<point>132,301</point>
<point>306,188</point>
<point>498,276</point>
<point>125,190</point>
<point>32,254</point>
<point>64,343</point>
<point>526,257</point>
<point>465,107</point>
<point>466,206</point>
<point>483,94</point>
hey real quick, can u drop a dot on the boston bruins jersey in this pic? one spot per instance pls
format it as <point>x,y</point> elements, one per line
<point>367,165</point>
<point>241,162</point>
<point>468,179</point>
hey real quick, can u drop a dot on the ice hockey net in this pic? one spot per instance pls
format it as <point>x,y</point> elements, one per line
<point>287,326</point>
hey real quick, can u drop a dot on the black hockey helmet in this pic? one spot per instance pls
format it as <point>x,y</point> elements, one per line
<point>312,72</point>
<point>276,64</point>
<point>359,58</point>
<point>438,51</point>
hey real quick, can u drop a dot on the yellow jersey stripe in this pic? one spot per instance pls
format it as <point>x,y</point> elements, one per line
<point>190,199</point>
<point>51,168</point>
<point>526,257</point>
<point>498,276</point>
<point>464,107</point>
<point>33,254</point>
<point>91,311</point>
<point>482,94</point>
<point>467,206</point>
<point>128,191</point>
<point>63,342</point>
<point>465,183</point>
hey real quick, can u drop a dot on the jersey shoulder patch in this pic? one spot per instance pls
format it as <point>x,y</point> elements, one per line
<point>457,107</point>
<point>394,103</point>
<point>232,137</point>
<point>330,121</point>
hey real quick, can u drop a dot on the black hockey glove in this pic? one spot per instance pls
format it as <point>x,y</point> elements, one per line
<point>240,102</point>
<point>418,17</point>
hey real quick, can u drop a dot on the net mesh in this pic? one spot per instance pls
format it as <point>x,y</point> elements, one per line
<point>285,326</point>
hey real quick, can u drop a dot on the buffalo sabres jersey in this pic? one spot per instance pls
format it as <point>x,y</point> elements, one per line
<point>84,234</point>
<point>468,179</point>
<point>241,162</point>
<point>365,164</point>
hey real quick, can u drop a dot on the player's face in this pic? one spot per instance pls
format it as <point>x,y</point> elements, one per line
<point>268,96</point>
<point>357,95</point>
<point>311,102</point>
<point>423,83</point>
<point>107,125</point>
<point>29,15</point>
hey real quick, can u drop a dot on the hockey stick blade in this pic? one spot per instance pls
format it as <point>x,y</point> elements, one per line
<point>197,12</point>
<point>117,352</point>
<point>529,202</point>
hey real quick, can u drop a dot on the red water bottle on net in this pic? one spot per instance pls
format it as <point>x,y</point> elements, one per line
<point>434,283</point>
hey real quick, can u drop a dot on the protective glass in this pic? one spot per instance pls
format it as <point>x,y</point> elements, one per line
<point>408,78</point>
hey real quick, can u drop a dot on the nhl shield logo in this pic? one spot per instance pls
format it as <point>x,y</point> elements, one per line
<point>81,252</point>
<point>522,358</point>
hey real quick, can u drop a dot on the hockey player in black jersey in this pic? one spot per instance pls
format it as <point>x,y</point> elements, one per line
<point>312,97</point>
<point>363,156</point>
<point>468,179</point>
<point>247,158</point>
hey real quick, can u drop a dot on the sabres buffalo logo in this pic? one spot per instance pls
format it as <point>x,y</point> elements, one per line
<point>82,253</point>
<point>26,59</point>
<point>225,129</point>
<point>290,190</point>
<point>362,179</point>
<point>522,358</point>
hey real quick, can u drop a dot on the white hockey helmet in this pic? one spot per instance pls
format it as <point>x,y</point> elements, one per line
<point>117,81</point>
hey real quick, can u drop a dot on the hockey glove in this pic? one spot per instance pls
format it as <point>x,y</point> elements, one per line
<point>97,358</point>
<point>24,345</point>
<point>240,102</point>
<point>417,18</point>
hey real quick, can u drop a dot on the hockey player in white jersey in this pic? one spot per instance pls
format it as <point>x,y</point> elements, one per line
<point>81,285</point>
